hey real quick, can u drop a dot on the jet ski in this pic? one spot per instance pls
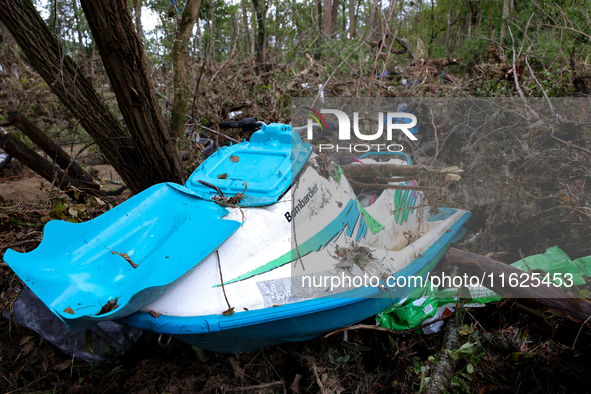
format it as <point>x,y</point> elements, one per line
<point>267,242</point>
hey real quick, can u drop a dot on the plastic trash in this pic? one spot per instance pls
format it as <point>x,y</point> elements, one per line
<point>424,305</point>
<point>106,339</point>
<point>555,261</point>
<point>321,92</point>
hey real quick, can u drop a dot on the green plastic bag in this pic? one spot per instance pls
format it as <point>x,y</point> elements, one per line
<point>555,261</point>
<point>417,307</point>
<point>424,304</point>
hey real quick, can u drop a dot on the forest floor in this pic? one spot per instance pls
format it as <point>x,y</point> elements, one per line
<point>524,198</point>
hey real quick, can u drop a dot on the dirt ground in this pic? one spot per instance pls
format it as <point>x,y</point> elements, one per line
<point>27,186</point>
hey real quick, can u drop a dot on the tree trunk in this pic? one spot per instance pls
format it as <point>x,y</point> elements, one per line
<point>344,29</point>
<point>122,53</point>
<point>506,10</point>
<point>334,16</point>
<point>327,16</point>
<point>48,146</point>
<point>252,35</point>
<point>245,23</point>
<point>210,24</point>
<point>447,35</point>
<point>473,18</point>
<point>374,19</point>
<point>180,60</point>
<point>260,13</point>
<point>432,30</point>
<point>352,19</point>
<point>319,20</point>
<point>73,89</point>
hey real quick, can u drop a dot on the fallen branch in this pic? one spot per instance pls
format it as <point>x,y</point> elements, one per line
<point>47,145</point>
<point>396,170</point>
<point>444,369</point>
<point>495,276</point>
<point>397,187</point>
<point>35,162</point>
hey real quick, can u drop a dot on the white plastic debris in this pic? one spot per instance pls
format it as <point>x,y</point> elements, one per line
<point>321,93</point>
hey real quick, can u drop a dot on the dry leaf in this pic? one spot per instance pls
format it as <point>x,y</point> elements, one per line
<point>61,366</point>
<point>295,386</point>
<point>228,312</point>
<point>125,256</point>
<point>238,371</point>
<point>27,348</point>
<point>108,307</point>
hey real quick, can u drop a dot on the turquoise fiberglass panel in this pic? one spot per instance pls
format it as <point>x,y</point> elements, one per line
<point>166,230</point>
<point>261,168</point>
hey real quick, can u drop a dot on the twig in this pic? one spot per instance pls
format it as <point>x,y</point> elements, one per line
<point>275,371</point>
<point>334,72</point>
<point>344,61</point>
<point>436,138</point>
<point>230,309</point>
<point>540,85</point>
<point>313,369</point>
<point>494,131</point>
<point>574,146</point>
<point>28,241</point>
<point>384,329</point>
<point>318,381</point>
<point>21,176</point>
<point>195,122</point>
<point>579,333</point>
<point>373,70</point>
<point>255,387</point>
<point>517,85</point>
<point>57,77</point>
<point>197,89</point>
<point>487,39</point>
